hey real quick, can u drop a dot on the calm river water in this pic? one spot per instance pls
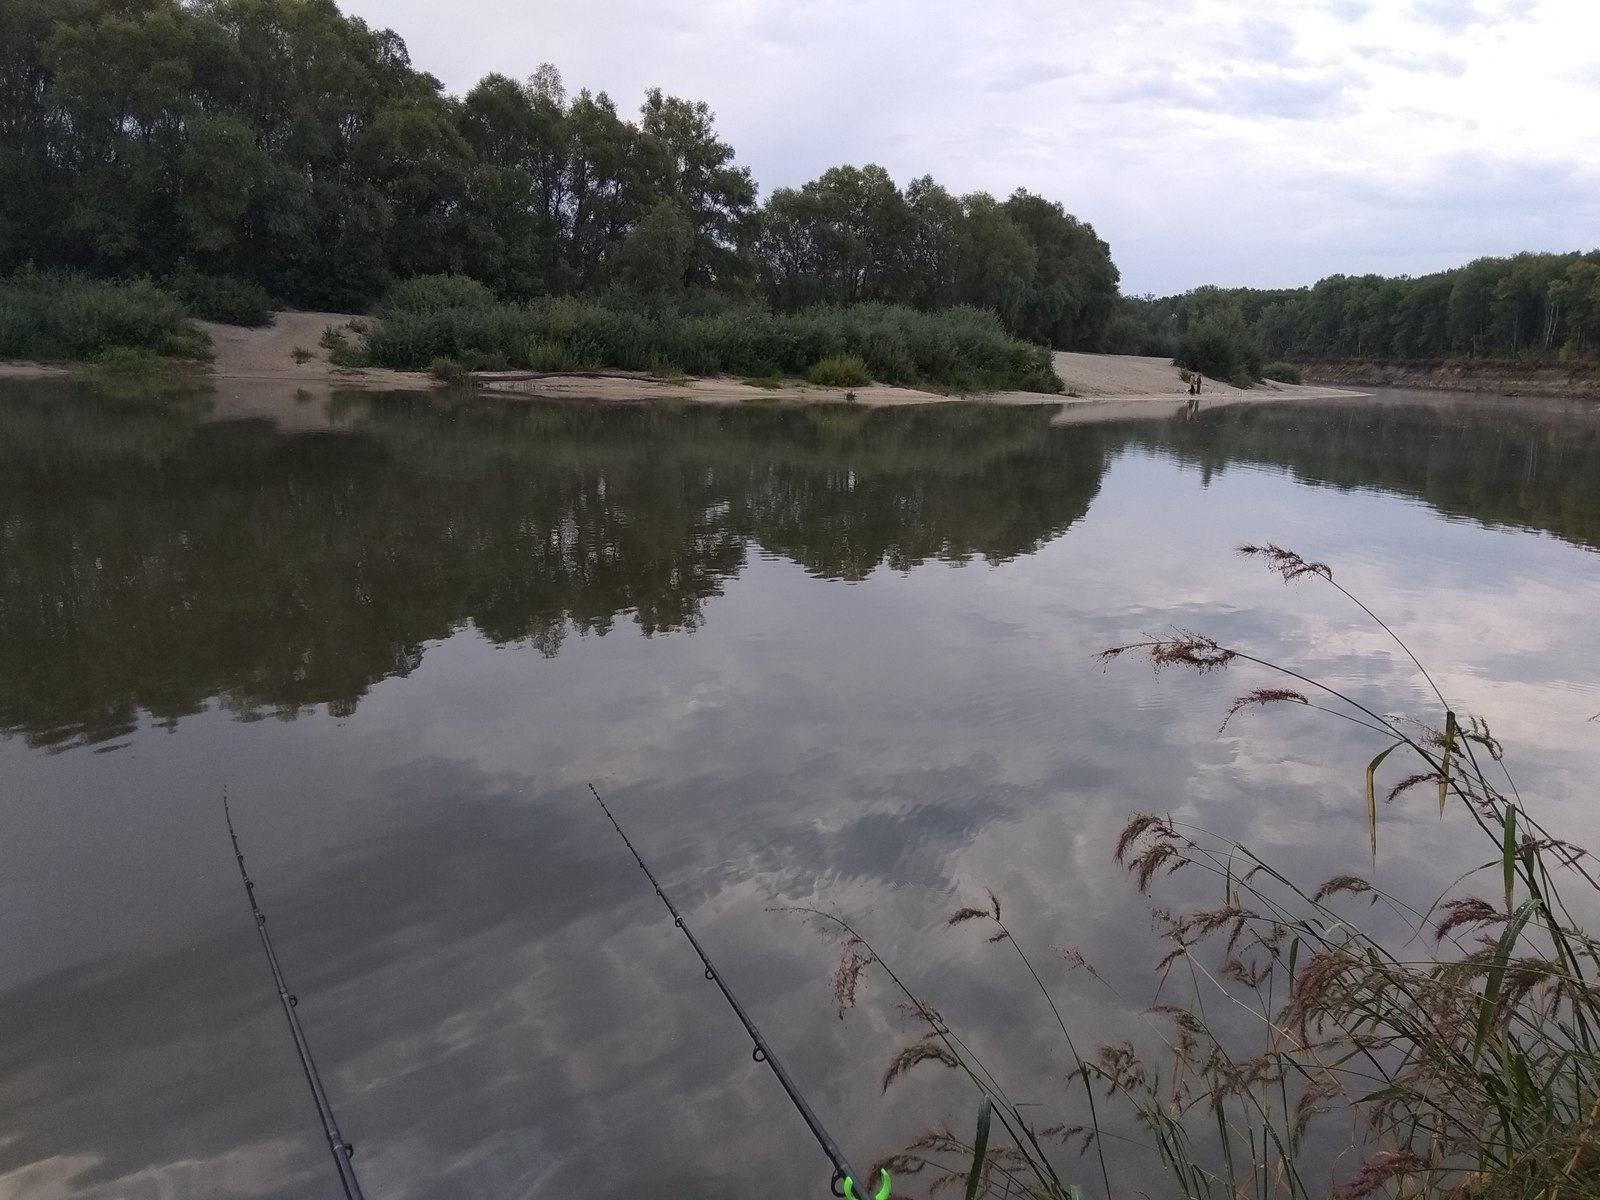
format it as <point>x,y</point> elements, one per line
<point>810,656</point>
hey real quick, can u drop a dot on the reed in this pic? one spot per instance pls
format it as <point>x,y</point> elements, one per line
<point>1456,1058</point>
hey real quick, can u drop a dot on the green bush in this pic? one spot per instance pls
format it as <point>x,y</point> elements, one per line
<point>427,294</point>
<point>222,298</point>
<point>60,316</point>
<point>449,370</point>
<point>960,347</point>
<point>549,356</point>
<point>841,370</point>
<point>1282,372</point>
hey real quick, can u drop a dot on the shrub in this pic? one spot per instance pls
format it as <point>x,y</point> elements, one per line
<point>426,294</point>
<point>222,298</point>
<point>1282,372</point>
<point>550,356</point>
<point>449,370</point>
<point>65,316</point>
<point>962,347</point>
<point>840,370</point>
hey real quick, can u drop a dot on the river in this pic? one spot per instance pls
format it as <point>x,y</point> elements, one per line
<point>825,656</point>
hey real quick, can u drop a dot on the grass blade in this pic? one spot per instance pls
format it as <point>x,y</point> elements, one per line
<point>1449,749</point>
<point>980,1147</point>
<point>1372,796</point>
<point>1496,974</point>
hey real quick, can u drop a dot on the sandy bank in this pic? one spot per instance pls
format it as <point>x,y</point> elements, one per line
<point>1098,387</point>
<point>1574,381</point>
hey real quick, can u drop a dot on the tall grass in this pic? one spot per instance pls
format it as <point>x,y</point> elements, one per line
<point>960,349</point>
<point>1458,1058</point>
<point>58,316</point>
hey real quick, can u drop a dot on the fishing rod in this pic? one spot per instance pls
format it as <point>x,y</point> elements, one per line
<point>342,1150</point>
<point>842,1171</point>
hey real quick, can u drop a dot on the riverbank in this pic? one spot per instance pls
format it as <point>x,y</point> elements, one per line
<point>1096,387</point>
<point>1579,381</point>
<point>291,351</point>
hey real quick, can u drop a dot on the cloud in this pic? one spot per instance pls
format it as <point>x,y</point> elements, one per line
<point>1437,63</point>
<point>1028,75</point>
<point>1449,16</point>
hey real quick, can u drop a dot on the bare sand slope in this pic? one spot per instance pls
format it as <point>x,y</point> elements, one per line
<point>269,353</point>
<point>1124,375</point>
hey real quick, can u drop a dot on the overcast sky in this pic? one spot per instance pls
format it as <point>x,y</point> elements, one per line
<point>1209,141</point>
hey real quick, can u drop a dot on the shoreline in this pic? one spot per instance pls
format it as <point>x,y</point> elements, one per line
<point>288,354</point>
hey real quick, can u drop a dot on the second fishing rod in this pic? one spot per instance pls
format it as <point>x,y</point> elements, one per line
<point>844,1176</point>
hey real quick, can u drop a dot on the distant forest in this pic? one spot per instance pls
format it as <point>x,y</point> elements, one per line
<point>1533,307</point>
<point>282,143</point>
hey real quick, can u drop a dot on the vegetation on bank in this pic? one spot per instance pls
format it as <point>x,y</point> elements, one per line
<point>1531,308</point>
<point>285,146</point>
<point>1312,1038</point>
<point>66,317</point>
<point>452,325</point>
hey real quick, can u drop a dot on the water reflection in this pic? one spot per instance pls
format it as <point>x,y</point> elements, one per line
<point>156,560</point>
<point>499,1006</point>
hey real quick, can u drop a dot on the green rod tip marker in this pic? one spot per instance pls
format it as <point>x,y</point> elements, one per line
<point>881,1194</point>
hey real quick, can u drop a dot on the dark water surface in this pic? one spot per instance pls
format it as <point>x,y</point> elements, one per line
<point>812,656</point>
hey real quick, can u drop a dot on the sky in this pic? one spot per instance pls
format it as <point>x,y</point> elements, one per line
<point>1226,142</point>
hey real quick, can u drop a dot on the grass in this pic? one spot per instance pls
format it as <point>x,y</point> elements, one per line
<point>771,383</point>
<point>1458,1058</point>
<point>301,355</point>
<point>960,348</point>
<point>63,317</point>
<point>342,352</point>
<point>450,370</point>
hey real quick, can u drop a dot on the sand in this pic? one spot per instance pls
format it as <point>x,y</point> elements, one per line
<point>269,353</point>
<point>1099,387</point>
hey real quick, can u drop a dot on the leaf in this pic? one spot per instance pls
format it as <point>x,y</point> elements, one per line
<point>1508,854</point>
<point>1372,796</point>
<point>1450,728</point>
<point>1496,975</point>
<point>980,1147</point>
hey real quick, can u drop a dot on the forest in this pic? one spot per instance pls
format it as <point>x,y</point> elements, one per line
<point>1529,307</point>
<point>281,146</point>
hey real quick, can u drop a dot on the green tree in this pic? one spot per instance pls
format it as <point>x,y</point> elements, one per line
<point>691,166</point>
<point>1071,297</point>
<point>658,253</point>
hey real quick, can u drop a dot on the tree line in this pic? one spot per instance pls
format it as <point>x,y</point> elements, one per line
<point>284,143</point>
<point>1542,307</point>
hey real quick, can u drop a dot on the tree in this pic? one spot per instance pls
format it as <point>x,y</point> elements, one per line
<point>658,253</point>
<point>689,165</point>
<point>1072,296</point>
